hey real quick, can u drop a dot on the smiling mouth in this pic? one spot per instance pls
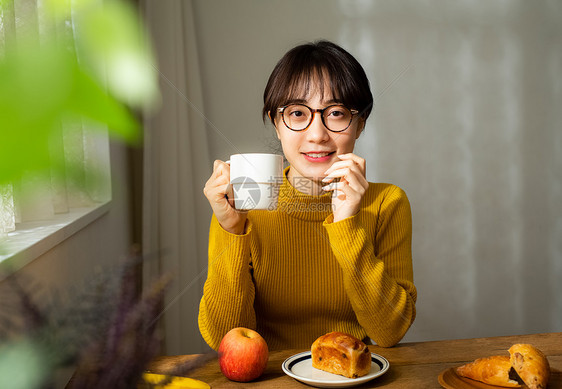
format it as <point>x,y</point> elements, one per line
<point>318,155</point>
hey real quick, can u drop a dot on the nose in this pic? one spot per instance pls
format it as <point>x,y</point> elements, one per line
<point>317,132</point>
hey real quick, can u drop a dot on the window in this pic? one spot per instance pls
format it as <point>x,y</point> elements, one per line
<point>41,207</point>
<point>70,74</point>
<point>41,210</point>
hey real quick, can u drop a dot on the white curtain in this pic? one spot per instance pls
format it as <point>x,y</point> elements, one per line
<point>175,157</point>
<point>7,214</point>
<point>40,197</point>
<point>84,182</point>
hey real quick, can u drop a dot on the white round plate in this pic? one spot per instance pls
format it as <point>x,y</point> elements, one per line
<point>299,367</point>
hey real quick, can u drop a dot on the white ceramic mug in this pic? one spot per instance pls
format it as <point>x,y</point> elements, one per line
<point>256,179</point>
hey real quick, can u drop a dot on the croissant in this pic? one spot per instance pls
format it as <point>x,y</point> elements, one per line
<point>490,370</point>
<point>530,364</point>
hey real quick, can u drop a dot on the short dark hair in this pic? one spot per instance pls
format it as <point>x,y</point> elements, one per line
<point>307,63</point>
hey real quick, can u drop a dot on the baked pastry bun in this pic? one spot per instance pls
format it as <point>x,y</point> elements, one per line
<point>490,370</point>
<point>342,354</point>
<point>531,365</point>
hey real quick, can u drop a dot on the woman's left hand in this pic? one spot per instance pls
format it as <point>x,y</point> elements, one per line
<point>351,187</point>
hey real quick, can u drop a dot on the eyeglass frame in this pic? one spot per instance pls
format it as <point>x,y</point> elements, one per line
<point>313,111</point>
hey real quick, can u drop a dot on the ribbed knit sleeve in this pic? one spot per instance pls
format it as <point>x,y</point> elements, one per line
<point>378,275</point>
<point>228,294</point>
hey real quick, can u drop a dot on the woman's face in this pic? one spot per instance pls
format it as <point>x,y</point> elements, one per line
<point>312,151</point>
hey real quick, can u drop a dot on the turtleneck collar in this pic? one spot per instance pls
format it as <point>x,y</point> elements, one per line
<point>303,206</point>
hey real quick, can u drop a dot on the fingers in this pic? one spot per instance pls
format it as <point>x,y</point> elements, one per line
<point>218,185</point>
<point>355,182</point>
<point>220,194</point>
<point>220,168</point>
<point>230,194</point>
<point>351,172</point>
<point>221,173</point>
<point>355,158</point>
<point>344,173</point>
<point>351,158</point>
<point>352,183</point>
<point>349,163</point>
<point>349,190</point>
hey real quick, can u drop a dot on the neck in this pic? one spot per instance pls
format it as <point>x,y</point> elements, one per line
<point>307,185</point>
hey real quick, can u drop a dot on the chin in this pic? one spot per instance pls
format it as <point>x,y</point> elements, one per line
<point>315,173</point>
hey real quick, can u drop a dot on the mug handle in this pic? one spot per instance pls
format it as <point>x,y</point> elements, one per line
<point>228,163</point>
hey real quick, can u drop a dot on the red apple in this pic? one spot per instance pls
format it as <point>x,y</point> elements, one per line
<point>243,355</point>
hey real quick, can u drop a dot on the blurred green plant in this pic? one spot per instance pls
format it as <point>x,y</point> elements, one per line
<point>99,69</point>
<point>70,60</point>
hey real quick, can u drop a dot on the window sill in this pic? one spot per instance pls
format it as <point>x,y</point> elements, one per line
<point>32,239</point>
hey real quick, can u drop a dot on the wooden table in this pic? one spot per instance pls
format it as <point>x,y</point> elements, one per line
<point>412,365</point>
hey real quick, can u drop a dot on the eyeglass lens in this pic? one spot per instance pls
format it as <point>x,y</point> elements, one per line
<point>298,117</point>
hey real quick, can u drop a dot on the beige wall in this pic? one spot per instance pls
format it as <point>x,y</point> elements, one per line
<point>467,121</point>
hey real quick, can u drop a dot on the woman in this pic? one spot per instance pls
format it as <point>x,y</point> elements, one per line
<point>336,254</point>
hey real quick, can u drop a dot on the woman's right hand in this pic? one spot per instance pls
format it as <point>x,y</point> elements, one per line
<point>221,197</point>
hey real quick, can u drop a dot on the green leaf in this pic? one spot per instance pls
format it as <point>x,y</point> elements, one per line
<point>90,100</point>
<point>112,42</point>
<point>23,365</point>
<point>35,89</point>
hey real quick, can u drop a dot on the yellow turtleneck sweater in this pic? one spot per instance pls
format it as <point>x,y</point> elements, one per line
<point>295,274</point>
